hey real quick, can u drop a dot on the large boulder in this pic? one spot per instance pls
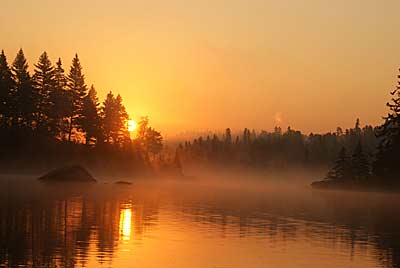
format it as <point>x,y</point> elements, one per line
<point>68,174</point>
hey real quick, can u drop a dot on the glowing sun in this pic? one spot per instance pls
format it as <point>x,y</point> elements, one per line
<point>131,125</point>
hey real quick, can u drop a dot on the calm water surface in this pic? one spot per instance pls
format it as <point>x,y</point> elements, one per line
<point>195,224</point>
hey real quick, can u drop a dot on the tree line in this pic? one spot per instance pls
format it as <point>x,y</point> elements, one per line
<point>358,154</point>
<point>384,164</point>
<point>277,148</point>
<point>52,107</point>
<point>54,104</point>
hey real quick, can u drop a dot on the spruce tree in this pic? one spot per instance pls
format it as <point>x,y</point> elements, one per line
<point>115,118</point>
<point>387,165</point>
<point>78,90</point>
<point>341,170</point>
<point>123,117</point>
<point>23,108</point>
<point>142,128</point>
<point>43,81</point>
<point>150,140</point>
<point>153,141</point>
<point>61,98</point>
<point>90,120</point>
<point>6,89</point>
<point>108,117</point>
<point>228,137</point>
<point>359,164</point>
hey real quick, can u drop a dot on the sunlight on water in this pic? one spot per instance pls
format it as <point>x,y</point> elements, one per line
<point>125,224</point>
<point>196,226</point>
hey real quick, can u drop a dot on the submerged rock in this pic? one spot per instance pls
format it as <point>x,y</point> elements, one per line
<point>68,174</point>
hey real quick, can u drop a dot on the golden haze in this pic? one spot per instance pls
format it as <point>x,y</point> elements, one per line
<point>210,65</point>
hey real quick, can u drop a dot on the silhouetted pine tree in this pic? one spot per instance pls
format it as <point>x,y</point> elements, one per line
<point>61,110</point>
<point>153,142</point>
<point>342,168</point>
<point>228,136</point>
<point>177,164</point>
<point>149,140</point>
<point>387,162</point>
<point>6,89</point>
<point>108,117</point>
<point>78,90</point>
<point>23,108</point>
<point>122,116</point>
<point>360,166</point>
<point>246,137</point>
<point>43,82</point>
<point>90,119</point>
<point>114,120</point>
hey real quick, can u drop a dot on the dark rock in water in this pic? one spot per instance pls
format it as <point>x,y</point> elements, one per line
<point>326,184</point>
<point>123,183</point>
<point>68,174</point>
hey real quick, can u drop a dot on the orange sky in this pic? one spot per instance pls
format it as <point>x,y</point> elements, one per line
<point>196,65</point>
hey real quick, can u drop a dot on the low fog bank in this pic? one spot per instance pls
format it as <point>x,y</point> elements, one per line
<point>216,175</point>
<point>295,175</point>
<point>244,194</point>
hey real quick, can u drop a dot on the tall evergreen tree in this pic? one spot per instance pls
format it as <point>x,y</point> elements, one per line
<point>342,168</point>
<point>114,117</point>
<point>228,136</point>
<point>387,162</point>
<point>43,81</point>
<point>142,128</point>
<point>61,111</point>
<point>23,108</point>
<point>149,140</point>
<point>123,133</point>
<point>359,164</point>
<point>108,116</point>
<point>153,141</point>
<point>90,120</point>
<point>78,90</point>
<point>6,89</point>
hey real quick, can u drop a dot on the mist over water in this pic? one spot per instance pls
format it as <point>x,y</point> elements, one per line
<point>218,219</point>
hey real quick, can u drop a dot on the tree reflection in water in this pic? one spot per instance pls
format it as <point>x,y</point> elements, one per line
<point>62,228</point>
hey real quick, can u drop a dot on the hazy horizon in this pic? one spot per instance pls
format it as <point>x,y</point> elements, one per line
<point>313,65</point>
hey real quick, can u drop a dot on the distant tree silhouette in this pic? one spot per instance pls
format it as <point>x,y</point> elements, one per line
<point>342,169</point>
<point>246,136</point>
<point>78,90</point>
<point>143,125</point>
<point>6,89</point>
<point>153,141</point>
<point>90,118</point>
<point>114,120</point>
<point>228,136</point>
<point>277,148</point>
<point>387,162</point>
<point>43,82</point>
<point>23,95</point>
<point>360,165</point>
<point>149,140</point>
<point>61,98</point>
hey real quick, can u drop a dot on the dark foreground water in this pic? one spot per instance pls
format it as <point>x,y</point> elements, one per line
<point>195,224</point>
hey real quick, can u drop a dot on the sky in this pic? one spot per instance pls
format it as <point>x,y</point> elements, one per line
<point>208,65</point>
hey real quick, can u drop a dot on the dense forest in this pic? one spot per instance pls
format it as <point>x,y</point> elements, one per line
<point>52,118</point>
<point>360,169</point>
<point>359,154</point>
<point>275,149</point>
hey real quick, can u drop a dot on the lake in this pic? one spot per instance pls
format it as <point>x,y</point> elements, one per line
<point>195,223</point>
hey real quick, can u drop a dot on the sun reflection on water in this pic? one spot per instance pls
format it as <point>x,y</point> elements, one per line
<point>125,223</point>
